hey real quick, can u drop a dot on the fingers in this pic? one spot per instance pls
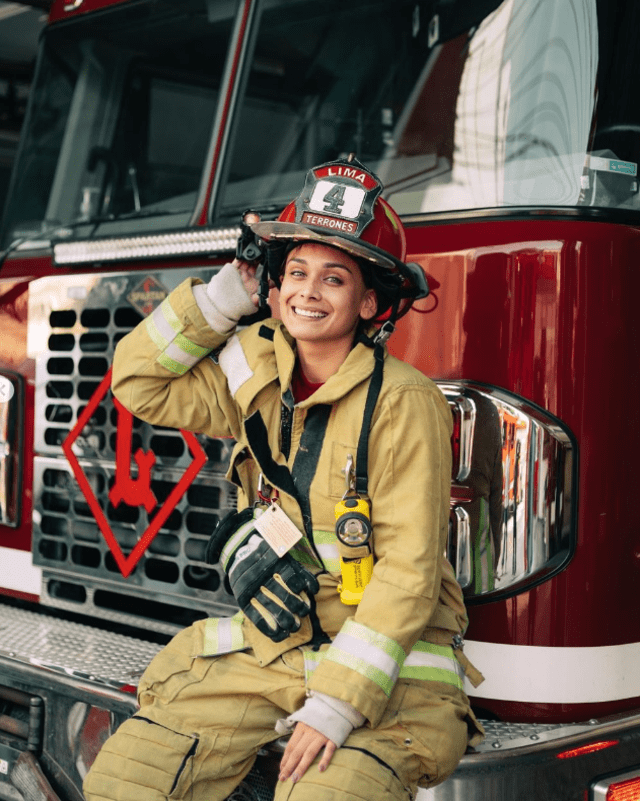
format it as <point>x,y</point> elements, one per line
<point>302,749</point>
<point>248,275</point>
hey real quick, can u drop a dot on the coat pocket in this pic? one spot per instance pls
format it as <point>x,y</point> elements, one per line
<point>177,665</point>
<point>433,721</point>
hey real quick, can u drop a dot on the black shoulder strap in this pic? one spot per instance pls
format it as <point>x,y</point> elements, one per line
<point>362,459</point>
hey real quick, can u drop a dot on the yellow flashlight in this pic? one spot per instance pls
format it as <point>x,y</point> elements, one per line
<point>353,530</point>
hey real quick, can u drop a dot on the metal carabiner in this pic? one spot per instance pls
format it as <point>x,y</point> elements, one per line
<point>266,493</point>
<point>349,477</point>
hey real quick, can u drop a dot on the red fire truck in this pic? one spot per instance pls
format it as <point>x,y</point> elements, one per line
<point>507,134</point>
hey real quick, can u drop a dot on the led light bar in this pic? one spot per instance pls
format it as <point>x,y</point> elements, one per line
<point>184,243</point>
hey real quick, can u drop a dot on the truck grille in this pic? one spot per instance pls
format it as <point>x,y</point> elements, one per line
<point>75,323</point>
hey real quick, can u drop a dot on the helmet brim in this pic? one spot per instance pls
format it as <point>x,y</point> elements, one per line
<point>296,232</point>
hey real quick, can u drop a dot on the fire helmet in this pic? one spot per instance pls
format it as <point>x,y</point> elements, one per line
<point>340,206</point>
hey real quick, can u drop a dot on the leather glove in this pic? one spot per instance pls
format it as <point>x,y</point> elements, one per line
<point>271,590</point>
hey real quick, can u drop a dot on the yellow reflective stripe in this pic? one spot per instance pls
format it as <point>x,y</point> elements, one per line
<point>432,674</point>
<point>166,309</point>
<point>171,364</point>
<point>369,653</point>
<point>223,635</point>
<point>233,543</point>
<point>190,348</point>
<point>431,662</point>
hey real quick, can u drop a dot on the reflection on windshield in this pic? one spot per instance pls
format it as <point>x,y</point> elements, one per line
<point>456,105</point>
<point>121,118</point>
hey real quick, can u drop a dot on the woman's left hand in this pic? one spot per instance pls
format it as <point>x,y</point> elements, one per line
<point>303,747</point>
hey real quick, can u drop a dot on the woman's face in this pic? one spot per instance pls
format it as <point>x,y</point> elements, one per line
<point>323,296</point>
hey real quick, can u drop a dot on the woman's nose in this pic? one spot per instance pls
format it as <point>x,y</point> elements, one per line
<point>311,289</point>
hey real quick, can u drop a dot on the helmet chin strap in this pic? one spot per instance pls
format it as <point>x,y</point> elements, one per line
<point>384,332</point>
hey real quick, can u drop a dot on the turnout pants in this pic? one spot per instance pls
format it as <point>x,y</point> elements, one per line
<point>202,721</point>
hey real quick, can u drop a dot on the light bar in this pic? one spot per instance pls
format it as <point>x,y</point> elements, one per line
<point>184,243</point>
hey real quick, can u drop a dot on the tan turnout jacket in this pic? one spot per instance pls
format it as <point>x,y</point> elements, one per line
<point>175,370</point>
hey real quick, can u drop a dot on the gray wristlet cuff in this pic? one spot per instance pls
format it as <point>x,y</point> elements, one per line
<point>334,718</point>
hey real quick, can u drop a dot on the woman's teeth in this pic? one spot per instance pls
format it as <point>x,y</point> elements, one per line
<point>305,313</point>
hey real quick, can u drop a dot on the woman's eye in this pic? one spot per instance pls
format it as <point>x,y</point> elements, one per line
<point>334,279</point>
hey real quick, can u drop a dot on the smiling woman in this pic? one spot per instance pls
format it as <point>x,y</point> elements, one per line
<point>323,298</point>
<point>337,632</point>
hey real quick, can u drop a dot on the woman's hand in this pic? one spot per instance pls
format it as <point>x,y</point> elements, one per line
<point>303,747</point>
<point>247,270</point>
<point>248,274</point>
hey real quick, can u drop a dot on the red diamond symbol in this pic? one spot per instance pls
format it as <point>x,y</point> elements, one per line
<point>133,491</point>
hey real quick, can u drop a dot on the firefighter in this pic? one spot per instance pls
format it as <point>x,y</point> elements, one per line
<point>350,642</point>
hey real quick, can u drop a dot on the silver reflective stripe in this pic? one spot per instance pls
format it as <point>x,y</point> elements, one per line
<point>245,551</point>
<point>369,653</point>
<point>223,635</point>
<point>234,364</point>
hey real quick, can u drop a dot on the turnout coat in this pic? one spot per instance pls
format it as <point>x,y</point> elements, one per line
<point>176,370</point>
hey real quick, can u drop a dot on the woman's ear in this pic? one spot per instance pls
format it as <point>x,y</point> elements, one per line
<point>369,305</point>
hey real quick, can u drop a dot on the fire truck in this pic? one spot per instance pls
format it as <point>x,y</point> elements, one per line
<point>507,134</point>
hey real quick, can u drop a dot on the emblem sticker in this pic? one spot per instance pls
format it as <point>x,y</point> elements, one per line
<point>338,196</point>
<point>147,295</point>
<point>330,198</point>
<point>132,488</point>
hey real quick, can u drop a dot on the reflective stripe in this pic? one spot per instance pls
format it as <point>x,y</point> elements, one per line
<point>234,364</point>
<point>223,635</point>
<point>483,551</point>
<point>163,325</point>
<point>327,546</point>
<point>178,354</point>
<point>233,543</point>
<point>433,663</point>
<point>311,661</point>
<point>373,655</point>
<point>426,661</point>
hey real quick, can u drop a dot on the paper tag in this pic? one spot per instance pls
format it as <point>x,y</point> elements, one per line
<point>277,529</point>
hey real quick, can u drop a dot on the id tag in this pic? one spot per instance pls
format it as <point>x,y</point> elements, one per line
<point>277,529</point>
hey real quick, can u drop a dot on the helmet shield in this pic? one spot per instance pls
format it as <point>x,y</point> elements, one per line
<point>340,206</point>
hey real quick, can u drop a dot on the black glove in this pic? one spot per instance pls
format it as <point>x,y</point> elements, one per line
<point>271,590</point>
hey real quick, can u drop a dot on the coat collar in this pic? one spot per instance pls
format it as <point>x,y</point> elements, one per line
<point>270,353</point>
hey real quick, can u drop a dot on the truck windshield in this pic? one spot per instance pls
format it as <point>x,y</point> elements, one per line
<point>456,104</point>
<point>121,117</point>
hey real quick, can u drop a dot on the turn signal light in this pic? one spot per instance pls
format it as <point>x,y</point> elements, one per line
<point>624,791</point>
<point>621,787</point>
